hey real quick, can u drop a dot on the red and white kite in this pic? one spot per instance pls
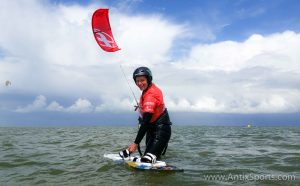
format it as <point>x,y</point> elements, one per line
<point>102,31</point>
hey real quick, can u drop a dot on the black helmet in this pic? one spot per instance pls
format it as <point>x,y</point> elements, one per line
<point>143,71</point>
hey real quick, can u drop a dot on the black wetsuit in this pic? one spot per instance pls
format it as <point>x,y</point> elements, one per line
<point>158,133</point>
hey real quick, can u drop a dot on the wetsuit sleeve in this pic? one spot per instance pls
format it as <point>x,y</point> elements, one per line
<point>143,128</point>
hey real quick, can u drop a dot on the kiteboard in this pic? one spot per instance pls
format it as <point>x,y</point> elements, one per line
<point>158,166</point>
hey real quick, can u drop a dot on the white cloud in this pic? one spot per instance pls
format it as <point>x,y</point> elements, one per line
<point>275,51</point>
<point>258,75</point>
<point>38,104</point>
<point>50,50</point>
<point>116,105</point>
<point>81,106</point>
<point>146,40</point>
<point>54,106</point>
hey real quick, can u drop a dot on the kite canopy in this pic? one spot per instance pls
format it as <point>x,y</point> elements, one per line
<point>102,31</point>
<point>7,83</point>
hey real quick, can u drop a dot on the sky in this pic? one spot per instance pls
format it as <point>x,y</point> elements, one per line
<point>230,62</point>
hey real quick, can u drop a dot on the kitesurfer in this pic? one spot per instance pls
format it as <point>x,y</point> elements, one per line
<point>154,119</point>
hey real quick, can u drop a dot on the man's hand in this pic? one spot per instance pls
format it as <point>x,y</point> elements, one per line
<point>132,148</point>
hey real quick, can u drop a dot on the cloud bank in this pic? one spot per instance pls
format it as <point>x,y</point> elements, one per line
<point>48,51</point>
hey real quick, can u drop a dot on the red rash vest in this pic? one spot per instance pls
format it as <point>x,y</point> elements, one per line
<point>152,101</point>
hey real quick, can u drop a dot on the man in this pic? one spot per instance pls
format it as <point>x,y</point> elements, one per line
<point>154,119</point>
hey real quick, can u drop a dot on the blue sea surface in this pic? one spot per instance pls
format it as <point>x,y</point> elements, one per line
<point>209,155</point>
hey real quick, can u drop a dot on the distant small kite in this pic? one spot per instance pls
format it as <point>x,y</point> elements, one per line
<point>7,83</point>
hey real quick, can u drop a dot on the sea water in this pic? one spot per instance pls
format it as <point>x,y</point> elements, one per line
<point>209,155</point>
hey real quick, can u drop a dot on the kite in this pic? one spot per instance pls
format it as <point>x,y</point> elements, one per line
<point>7,83</point>
<point>102,31</point>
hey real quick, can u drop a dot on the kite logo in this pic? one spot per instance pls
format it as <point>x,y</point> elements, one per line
<point>104,39</point>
